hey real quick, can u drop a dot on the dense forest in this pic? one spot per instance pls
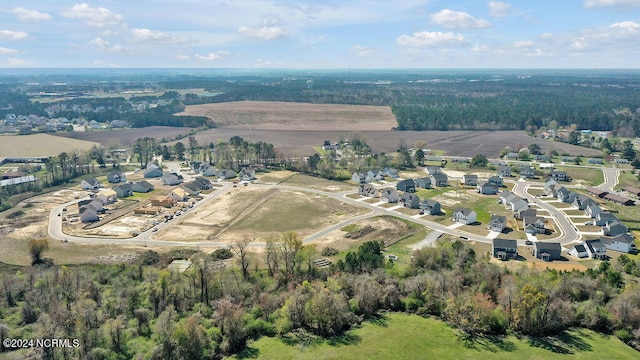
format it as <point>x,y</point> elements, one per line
<point>143,310</point>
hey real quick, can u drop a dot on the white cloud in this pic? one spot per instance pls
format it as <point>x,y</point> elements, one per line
<point>13,35</point>
<point>105,46</point>
<point>523,44</point>
<point>98,17</point>
<point>313,40</point>
<point>183,57</point>
<point>590,4</point>
<point>18,62</point>
<point>499,8</point>
<point>213,56</point>
<point>30,15</point>
<point>451,19</point>
<point>7,51</point>
<point>427,38</point>
<point>360,50</point>
<point>156,36</point>
<point>480,48</point>
<point>263,33</point>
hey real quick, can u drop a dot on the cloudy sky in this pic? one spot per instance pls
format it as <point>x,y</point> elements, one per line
<point>324,34</point>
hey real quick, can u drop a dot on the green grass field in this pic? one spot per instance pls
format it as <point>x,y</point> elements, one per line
<point>588,175</point>
<point>401,336</point>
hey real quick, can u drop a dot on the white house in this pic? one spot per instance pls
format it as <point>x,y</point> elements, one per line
<point>90,184</point>
<point>464,216</point>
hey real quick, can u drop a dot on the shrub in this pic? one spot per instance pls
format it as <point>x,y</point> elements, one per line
<point>329,251</point>
<point>222,254</point>
<point>15,214</point>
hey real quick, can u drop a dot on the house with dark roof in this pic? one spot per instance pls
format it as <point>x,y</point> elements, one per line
<point>432,170</point>
<point>95,203</point>
<point>88,214</point>
<point>423,183</point>
<point>390,172</point>
<point>408,185</point>
<point>171,179</point>
<point>595,161</point>
<point>497,223</point>
<point>622,243</point>
<point>410,200</point>
<point>116,177</point>
<point>141,187</point>
<point>207,170</point>
<point>390,195</point>
<point>152,172</point>
<point>225,174</point>
<point>520,214</point>
<point>559,176</point>
<point>247,174</point>
<point>359,177</point>
<point>191,189</point>
<point>90,184</point>
<point>440,180</point>
<point>469,179</point>
<point>579,251</point>
<point>504,171</point>
<point>367,190</point>
<point>547,251</point>
<point>581,202</point>
<point>596,249</point>
<point>374,175</point>
<point>533,225</point>
<point>495,181</point>
<point>487,189</point>
<point>593,209</point>
<point>528,173</point>
<point>464,216</point>
<point>124,190</point>
<point>504,249</point>
<point>614,228</point>
<point>603,218</point>
<point>430,207</point>
<point>202,183</point>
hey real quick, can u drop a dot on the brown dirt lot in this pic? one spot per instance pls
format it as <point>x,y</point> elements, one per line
<point>295,116</point>
<point>40,145</point>
<point>126,137</point>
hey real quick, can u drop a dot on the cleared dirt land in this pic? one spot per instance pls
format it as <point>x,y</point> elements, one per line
<point>126,137</point>
<point>259,213</point>
<point>265,115</point>
<point>40,145</point>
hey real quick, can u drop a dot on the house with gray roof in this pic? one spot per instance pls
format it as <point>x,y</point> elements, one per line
<point>171,179</point>
<point>504,171</point>
<point>390,172</point>
<point>469,180</point>
<point>430,207</point>
<point>579,251</point>
<point>367,190</point>
<point>504,249</point>
<point>487,189</point>
<point>247,174</point>
<point>528,173</point>
<point>141,187</point>
<point>90,184</point>
<point>592,210</point>
<point>614,228</point>
<point>225,174</point>
<point>88,214</point>
<point>582,201</point>
<point>533,225</point>
<point>191,189</point>
<point>124,190</point>
<point>596,249</point>
<point>495,181</point>
<point>440,180</point>
<point>410,200</point>
<point>432,170</point>
<point>547,251</point>
<point>408,185</point>
<point>152,172</point>
<point>359,177</point>
<point>115,177</point>
<point>464,216</point>
<point>207,170</point>
<point>202,183</point>
<point>374,175</point>
<point>423,183</point>
<point>603,218</point>
<point>623,243</point>
<point>390,195</point>
<point>497,223</point>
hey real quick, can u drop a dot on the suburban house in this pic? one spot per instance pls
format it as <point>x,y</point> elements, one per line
<point>202,183</point>
<point>511,155</point>
<point>518,204</point>
<point>562,194</point>
<point>152,172</point>
<point>464,216</point>
<point>469,179</point>
<point>541,157</point>
<point>88,214</point>
<point>595,161</point>
<point>440,180</point>
<point>495,181</point>
<point>621,243</point>
<point>162,201</point>
<point>124,190</point>
<point>207,170</point>
<point>525,212</point>
<point>360,178</point>
<point>90,184</point>
<point>487,189</point>
<point>614,228</point>
<point>603,218</point>
<point>621,161</point>
<point>326,145</point>
<point>408,185</point>
<point>107,196</point>
<point>528,173</point>
<point>533,225</point>
<point>390,195</point>
<point>141,187</point>
<point>423,183</point>
<point>582,201</point>
<point>390,172</point>
<point>497,223</point>
<point>504,249</point>
<point>367,190</point>
<point>547,251</point>
<point>95,203</point>
<point>579,251</point>
<point>596,249</point>
<point>116,177</point>
<point>247,174</point>
<point>375,175</point>
<point>171,179</point>
<point>178,194</point>
<point>432,170</point>
<point>504,171</point>
<point>195,165</point>
<point>559,175</point>
<point>593,209</point>
<point>191,189</point>
<point>430,207</point>
<point>411,201</point>
<point>225,174</point>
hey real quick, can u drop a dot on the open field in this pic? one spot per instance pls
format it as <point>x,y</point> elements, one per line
<point>267,115</point>
<point>126,137</point>
<point>40,145</point>
<point>402,336</point>
<point>587,175</point>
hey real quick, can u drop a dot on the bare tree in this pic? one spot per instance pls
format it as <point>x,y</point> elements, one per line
<point>239,247</point>
<point>272,256</point>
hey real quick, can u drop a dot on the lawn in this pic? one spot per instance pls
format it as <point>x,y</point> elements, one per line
<point>588,175</point>
<point>402,336</point>
<point>627,178</point>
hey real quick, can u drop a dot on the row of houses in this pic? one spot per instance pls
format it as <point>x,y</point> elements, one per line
<point>374,175</point>
<point>407,199</point>
<point>506,249</point>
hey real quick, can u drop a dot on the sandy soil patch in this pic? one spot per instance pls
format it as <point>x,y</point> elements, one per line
<point>385,228</point>
<point>40,145</point>
<point>295,116</point>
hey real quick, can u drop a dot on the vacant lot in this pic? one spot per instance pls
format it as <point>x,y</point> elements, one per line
<point>267,115</point>
<point>40,145</point>
<point>126,137</point>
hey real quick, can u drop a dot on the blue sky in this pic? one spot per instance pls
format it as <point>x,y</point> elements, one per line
<point>325,34</point>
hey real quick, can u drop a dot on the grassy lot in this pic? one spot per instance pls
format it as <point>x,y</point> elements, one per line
<point>627,178</point>
<point>401,336</point>
<point>588,175</point>
<point>574,212</point>
<point>311,182</point>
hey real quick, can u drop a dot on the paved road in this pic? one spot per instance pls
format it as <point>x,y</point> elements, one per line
<point>568,232</point>
<point>610,179</point>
